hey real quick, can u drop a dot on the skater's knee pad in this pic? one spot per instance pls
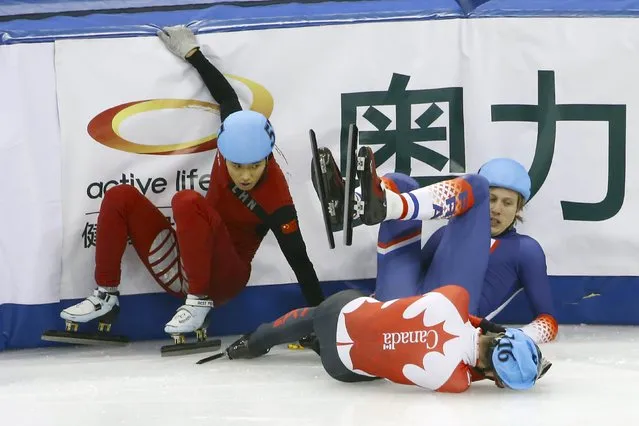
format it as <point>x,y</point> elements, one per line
<point>400,182</point>
<point>185,202</point>
<point>479,185</point>
<point>120,195</point>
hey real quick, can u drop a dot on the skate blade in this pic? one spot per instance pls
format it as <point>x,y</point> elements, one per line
<point>321,189</point>
<point>76,338</point>
<point>211,358</point>
<point>191,348</point>
<point>351,177</point>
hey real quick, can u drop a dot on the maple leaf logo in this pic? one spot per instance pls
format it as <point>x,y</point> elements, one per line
<point>438,336</point>
<point>383,341</point>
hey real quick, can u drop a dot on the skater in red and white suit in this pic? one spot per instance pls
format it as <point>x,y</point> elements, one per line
<point>429,341</point>
<point>207,257</point>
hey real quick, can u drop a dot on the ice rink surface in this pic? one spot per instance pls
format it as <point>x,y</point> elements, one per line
<point>594,381</point>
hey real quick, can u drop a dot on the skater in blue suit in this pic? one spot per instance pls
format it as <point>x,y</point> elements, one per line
<point>479,248</point>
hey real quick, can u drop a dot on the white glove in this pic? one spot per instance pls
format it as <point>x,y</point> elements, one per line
<point>180,40</point>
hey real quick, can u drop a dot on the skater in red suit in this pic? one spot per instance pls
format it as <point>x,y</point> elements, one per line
<point>427,340</point>
<point>207,258</point>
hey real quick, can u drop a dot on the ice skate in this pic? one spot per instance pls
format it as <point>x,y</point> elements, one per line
<point>372,207</point>
<point>192,317</point>
<point>310,341</point>
<point>101,306</point>
<point>240,349</point>
<point>330,188</point>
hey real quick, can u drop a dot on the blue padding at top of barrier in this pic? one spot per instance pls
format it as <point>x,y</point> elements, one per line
<point>25,7</point>
<point>224,18</point>
<point>556,8</point>
<point>30,20</point>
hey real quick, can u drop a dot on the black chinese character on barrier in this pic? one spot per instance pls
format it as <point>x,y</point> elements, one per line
<point>406,142</point>
<point>89,235</point>
<point>546,114</point>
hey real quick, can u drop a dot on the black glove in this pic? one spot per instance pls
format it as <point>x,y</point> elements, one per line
<point>545,366</point>
<point>488,326</point>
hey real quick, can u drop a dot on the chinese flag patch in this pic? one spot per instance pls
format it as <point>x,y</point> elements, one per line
<point>290,227</point>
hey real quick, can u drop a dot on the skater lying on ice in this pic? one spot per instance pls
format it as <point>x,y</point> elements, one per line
<point>207,258</point>
<point>428,340</point>
<point>479,248</point>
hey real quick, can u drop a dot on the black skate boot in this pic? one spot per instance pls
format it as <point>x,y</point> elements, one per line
<point>240,349</point>
<point>330,188</point>
<point>333,185</point>
<point>310,341</point>
<point>372,207</point>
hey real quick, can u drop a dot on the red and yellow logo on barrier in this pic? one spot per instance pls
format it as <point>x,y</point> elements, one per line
<point>105,127</point>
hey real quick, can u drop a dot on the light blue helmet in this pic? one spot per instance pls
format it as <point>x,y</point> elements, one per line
<point>507,173</point>
<point>246,137</point>
<point>517,360</point>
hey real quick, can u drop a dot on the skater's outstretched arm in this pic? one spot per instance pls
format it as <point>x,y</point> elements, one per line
<point>181,41</point>
<point>534,278</point>
<point>286,229</point>
<point>217,84</point>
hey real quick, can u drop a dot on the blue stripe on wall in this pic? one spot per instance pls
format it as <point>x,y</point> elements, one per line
<point>590,300</point>
<point>143,316</point>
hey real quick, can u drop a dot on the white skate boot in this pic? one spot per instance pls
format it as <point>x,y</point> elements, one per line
<point>100,305</point>
<point>103,306</point>
<point>192,317</point>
